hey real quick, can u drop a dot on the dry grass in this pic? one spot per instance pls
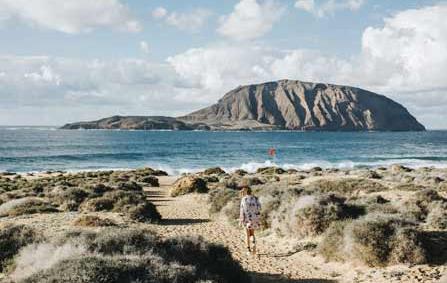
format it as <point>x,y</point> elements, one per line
<point>12,239</point>
<point>346,186</point>
<point>26,206</point>
<point>93,221</point>
<point>126,255</point>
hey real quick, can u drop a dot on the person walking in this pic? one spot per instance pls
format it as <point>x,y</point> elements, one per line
<point>250,213</point>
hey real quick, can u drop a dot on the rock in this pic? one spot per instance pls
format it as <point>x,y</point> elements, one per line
<point>296,105</point>
<point>316,169</point>
<point>132,123</point>
<point>397,168</point>
<point>188,184</point>
<point>214,171</point>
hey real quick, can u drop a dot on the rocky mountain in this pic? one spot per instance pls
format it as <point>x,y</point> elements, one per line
<point>281,105</point>
<point>296,105</point>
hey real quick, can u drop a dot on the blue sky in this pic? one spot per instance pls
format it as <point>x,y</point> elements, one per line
<point>71,60</point>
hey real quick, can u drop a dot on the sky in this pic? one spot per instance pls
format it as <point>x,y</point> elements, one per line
<point>73,60</point>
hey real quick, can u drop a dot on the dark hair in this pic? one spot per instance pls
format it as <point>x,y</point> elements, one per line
<point>245,191</point>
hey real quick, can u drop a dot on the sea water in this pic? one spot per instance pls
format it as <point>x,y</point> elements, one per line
<point>41,149</point>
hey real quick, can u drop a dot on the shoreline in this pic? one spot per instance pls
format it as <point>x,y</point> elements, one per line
<point>250,167</point>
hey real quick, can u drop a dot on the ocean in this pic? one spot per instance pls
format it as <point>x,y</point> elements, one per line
<point>32,149</point>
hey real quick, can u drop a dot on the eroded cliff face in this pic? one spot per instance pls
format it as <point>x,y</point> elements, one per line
<point>296,105</point>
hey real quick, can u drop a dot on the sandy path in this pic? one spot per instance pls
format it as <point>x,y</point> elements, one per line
<point>188,215</point>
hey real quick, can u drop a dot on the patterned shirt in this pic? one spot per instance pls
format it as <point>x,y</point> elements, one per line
<point>250,212</point>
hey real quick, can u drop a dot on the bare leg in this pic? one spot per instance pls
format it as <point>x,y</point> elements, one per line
<point>253,240</point>
<point>247,239</point>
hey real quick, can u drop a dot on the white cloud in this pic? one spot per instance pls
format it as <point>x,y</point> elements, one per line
<point>144,47</point>
<point>159,13</point>
<point>70,16</point>
<point>408,52</point>
<point>306,5</point>
<point>191,21</point>
<point>250,19</point>
<point>328,6</point>
<point>45,75</point>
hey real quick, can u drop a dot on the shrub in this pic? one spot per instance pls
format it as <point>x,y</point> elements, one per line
<point>418,206</point>
<point>12,239</point>
<point>146,212</point>
<point>150,171</point>
<point>129,186</point>
<point>134,204</point>
<point>25,206</point>
<point>93,221</point>
<point>251,181</point>
<point>346,186</point>
<point>70,199</point>
<point>311,215</point>
<point>121,269</point>
<point>132,255</point>
<point>188,184</point>
<point>370,240</point>
<point>270,170</point>
<point>214,171</point>
<point>407,247</point>
<point>375,240</point>
<point>332,243</point>
<point>437,216</point>
<point>118,241</point>
<point>218,198</point>
<point>195,251</point>
<point>97,204</point>
<point>232,209</point>
<point>150,180</point>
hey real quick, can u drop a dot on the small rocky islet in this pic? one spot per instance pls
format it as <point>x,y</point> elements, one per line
<point>373,217</point>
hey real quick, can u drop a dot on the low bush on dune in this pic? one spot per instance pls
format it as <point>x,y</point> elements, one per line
<point>126,255</point>
<point>70,199</point>
<point>12,239</point>
<point>346,186</point>
<point>419,205</point>
<point>311,215</point>
<point>26,206</point>
<point>374,240</point>
<point>214,171</point>
<point>134,204</point>
<point>189,184</point>
<point>93,221</point>
<point>218,198</point>
<point>149,180</point>
<point>437,216</point>
<point>145,212</point>
<point>270,171</point>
